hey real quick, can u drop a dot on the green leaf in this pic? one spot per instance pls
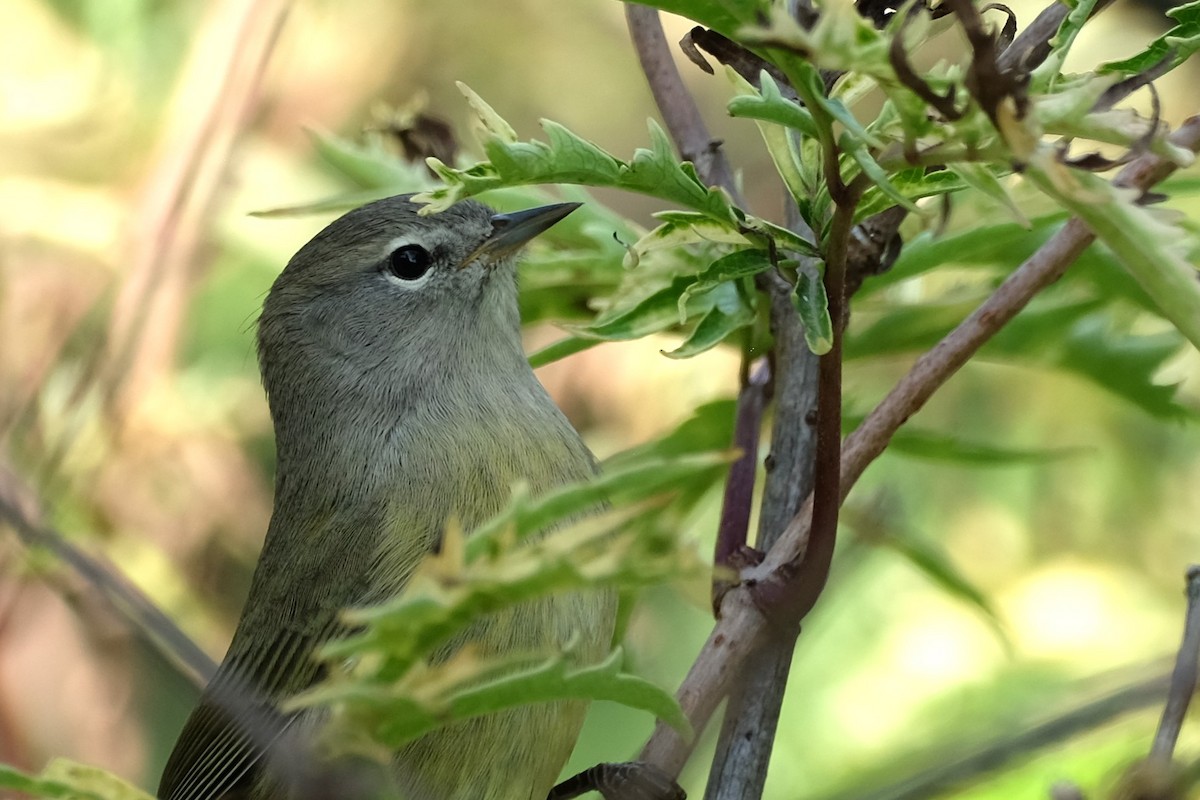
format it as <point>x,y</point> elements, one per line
<point>913,184</point>
<point>555,680</point>
<point>731,267</point>
<point>1151,247</point>
<point>1060,336</point>
<point>841,40</point>
<point>392,674</point>
<point>858,151</point>
<point>812,304</point>
<point>935,446</point>
<point>980,244</point>
<point>769,105</point>
<point>708,429</point>
<point>1125,365</point>
<point>1047,72</point>
<point>931,560</point>
<point>369,165</point>
<point>730,313</point>
<point>768,108</point>
<point>657,312</point>
<point>632,483</point>
<point>908,328</point>
<point>63,779</point>
<point>486,686</point>
<point>657,172</point>
<point>980,178</point>
<point>1181,42</point>
<point>680,228</point>
<point>559,350</point>
<point>568,158</point>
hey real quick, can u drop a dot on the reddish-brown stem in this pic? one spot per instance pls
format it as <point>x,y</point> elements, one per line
<point>733,528</point>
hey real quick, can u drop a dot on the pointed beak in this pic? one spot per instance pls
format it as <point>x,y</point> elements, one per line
<point>510,232</point>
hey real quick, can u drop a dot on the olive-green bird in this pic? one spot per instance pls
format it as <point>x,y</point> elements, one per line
<point>390,350</point>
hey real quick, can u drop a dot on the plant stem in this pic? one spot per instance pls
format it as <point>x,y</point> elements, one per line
<point>742,626</point>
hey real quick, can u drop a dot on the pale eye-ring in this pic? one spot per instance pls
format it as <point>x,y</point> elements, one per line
<point>408,262</point>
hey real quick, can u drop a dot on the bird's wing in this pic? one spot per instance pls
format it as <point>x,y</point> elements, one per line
<point>236,720</point>
<point>270,658</point>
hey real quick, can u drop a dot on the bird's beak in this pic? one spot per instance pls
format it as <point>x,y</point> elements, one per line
<point>510,232</point>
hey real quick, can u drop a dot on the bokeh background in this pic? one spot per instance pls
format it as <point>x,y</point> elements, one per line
<point>136,136</point>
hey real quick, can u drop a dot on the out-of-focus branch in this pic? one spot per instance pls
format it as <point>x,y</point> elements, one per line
<point>952,771</point>
<point>217,95</point>
<point>128,602</point>
<point>742,626</point>
<point>1183,678</point>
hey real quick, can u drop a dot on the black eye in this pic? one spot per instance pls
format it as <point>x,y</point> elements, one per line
<point>409,262</point>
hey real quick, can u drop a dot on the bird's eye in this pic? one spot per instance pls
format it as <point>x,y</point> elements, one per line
<point>408,263</point>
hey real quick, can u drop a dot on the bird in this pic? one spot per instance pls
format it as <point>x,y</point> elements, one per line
<point>401,399</point>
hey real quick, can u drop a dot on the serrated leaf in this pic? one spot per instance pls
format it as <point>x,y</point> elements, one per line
<point>774,117</point>
<point>494,126</point>
<point>769,105</point>
<point>1060,336</point>
<point>555,680</point>
<point>979,244</point>
<point>569,158</point>
<point>913,184</point>
<point>382,675</point>
<point>908,328</point>
<point>783,238</point>
<point>1125,365</point>
<point>840,40</point>
<point>812,304</point>
<point>681,228</point>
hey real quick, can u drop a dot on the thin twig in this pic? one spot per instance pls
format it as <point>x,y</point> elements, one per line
<point>1183,678</point>
<point>742,626</point>
<point>955,770</point>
